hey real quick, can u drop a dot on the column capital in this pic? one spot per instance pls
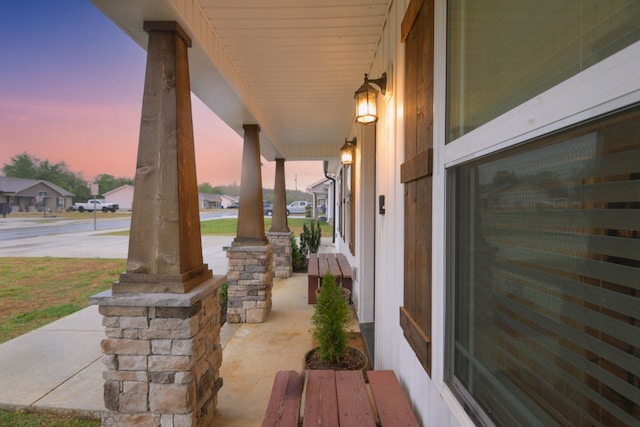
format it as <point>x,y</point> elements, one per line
<point>168,26</point>
<point>251,126</point>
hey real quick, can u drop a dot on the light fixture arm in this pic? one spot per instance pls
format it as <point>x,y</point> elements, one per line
<point>380,82</point>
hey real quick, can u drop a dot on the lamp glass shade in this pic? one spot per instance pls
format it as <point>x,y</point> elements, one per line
<point>346,153</point>
<point>366,102</point>
<point>346,156</point>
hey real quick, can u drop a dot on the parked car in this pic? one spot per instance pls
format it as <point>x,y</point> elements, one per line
<point>97,204</point>
<point>297,207</point>
<point>268,209</point>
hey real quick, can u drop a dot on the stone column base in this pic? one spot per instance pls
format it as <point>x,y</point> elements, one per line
<point>282,259</point>
<point>250,280</point>
<point>163,355</point>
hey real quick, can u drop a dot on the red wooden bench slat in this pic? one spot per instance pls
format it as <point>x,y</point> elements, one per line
<point>312,267</point>
<point>344,265</point>
<point>334,268</point>
<point>353,400</point>
<point>283,409</point>
<point>321,401</point>
<point>323,265</point>
<point>393,407</point>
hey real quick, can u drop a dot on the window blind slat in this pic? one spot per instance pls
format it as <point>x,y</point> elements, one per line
<point>579,339</point>
<point>605,298</point>
<point>571,358</point>
<point>582,314</point>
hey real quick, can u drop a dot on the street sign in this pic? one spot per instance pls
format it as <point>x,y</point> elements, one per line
<point>94,190</point>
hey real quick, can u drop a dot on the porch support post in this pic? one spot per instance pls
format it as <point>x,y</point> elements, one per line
<point>250,270</point>
<point>279,234</point>
<point>162,347</point>
<point>250,229</point>
<point>165,249</point>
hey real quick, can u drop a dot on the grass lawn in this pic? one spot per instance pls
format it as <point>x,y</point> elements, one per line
<point>21,419</point>
<point>37,291</point>
<point>228,226</point>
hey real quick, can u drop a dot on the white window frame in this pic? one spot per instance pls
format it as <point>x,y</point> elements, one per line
<point>602,88</point>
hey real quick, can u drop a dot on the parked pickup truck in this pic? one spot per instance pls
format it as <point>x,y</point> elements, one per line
<point>97,204</point>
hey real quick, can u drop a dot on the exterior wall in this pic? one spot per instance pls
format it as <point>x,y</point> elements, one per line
<point>123,196</point>
<point>572,101</point>
<point>391,348</point>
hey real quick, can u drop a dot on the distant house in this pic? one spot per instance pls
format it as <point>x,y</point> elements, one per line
<point>322,201</point>
<point>122,195</point>
<point>227,201</point>
<point>516,196</point>
<point>209,201</point>
<point>33,195</point>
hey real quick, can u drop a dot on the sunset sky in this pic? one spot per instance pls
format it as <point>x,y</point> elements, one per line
<point>71,86</point>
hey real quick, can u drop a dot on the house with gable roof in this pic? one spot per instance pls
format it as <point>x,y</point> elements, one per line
<point>34,195</point>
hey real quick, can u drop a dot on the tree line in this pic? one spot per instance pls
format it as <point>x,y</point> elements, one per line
<point>30,167</point>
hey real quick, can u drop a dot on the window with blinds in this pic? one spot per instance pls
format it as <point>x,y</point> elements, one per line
<point>544,279</point>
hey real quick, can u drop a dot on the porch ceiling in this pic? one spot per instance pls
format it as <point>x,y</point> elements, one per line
<point>290,66</point>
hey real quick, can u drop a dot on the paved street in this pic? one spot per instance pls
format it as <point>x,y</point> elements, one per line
<point>89,244</point>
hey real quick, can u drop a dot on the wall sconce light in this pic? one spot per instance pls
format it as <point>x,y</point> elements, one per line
<point>367,99</point>
<point>346,151</point>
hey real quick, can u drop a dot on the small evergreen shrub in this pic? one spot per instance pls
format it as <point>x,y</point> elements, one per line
<point>310,238</point>
<point>224,293</point>
<point>298,262</point>
<point>330,320</point>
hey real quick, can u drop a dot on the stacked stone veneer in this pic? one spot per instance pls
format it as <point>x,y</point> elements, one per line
<point>162,353</point>
<point>250,280</point>
<point>282,260</point>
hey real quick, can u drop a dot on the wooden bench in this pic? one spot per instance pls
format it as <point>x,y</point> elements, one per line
<point>321,264</point>
<point>338,398</point>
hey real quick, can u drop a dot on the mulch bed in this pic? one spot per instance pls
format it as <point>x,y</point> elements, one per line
<point>223,314</point>
<point>353,360</point>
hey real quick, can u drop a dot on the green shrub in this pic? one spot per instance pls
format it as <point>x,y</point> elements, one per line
<point>298,262</point>
<point>224,293</point>
<point>310,238</point>
<point>330,320</point>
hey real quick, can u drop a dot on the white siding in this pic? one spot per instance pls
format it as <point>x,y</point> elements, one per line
<point>123,196</point>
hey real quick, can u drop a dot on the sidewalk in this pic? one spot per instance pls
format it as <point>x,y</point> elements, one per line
<point>56,367</point>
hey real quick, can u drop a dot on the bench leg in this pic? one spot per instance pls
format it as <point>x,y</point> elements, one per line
<point>312,286</point>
